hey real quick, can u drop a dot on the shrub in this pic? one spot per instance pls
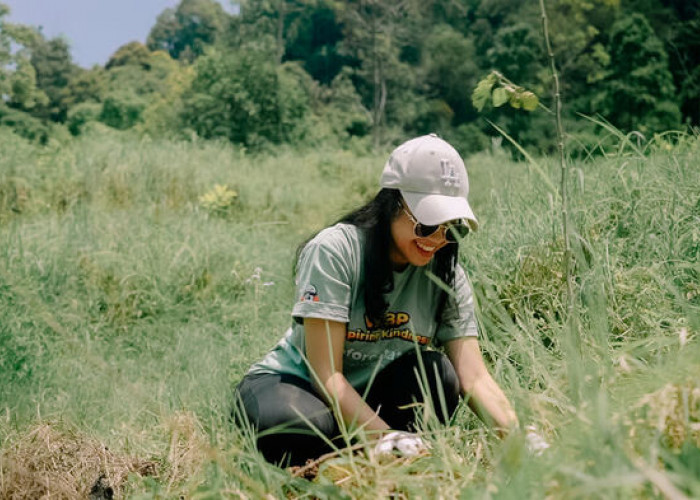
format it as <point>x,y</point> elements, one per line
<point>24,125</point>
<point>219,200</point>
<point>81,114</point>
<point>122,110</point>
<point>244,97</point>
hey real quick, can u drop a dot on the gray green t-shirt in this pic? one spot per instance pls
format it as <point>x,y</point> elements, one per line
<point>330,285</point>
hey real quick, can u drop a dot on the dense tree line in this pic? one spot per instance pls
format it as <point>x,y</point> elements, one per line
<point>369,71</point>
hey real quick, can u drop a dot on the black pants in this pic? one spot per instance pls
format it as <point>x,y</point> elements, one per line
<point>288,415</point>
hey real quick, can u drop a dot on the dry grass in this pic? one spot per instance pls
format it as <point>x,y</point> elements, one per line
<point>51,462</point>
<point>674,412</point>
<point>188,449</point>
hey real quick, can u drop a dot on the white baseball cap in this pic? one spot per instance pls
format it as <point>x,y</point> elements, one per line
<point>432,179</point>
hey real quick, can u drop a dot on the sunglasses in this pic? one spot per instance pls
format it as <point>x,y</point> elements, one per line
<point>453,232</point>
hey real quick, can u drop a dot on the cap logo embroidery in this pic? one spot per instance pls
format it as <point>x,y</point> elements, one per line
<point>449,176</point>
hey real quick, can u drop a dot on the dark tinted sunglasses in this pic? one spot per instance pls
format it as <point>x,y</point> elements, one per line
<point>453,232</point>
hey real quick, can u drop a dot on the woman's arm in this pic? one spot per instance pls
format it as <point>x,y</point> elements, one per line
<point>485,396</point>
<point>324,350</point>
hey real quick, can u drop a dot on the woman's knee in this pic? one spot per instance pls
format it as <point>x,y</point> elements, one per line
<point>290,422</point>
<point>312,419</point>
<point>279,403</point>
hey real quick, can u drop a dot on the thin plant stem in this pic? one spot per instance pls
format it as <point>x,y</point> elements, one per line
<point>568,267</point>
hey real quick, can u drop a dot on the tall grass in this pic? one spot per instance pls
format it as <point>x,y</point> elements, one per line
<point>128,311</point>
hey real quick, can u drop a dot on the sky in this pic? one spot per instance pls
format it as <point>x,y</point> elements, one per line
<point>95,29</point>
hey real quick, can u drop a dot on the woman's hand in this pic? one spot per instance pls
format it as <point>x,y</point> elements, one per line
<point>403,443</point>
<point>534,441</point>
<point>485,396</point>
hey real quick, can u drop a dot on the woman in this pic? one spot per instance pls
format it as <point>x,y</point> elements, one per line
<point>374,291</point>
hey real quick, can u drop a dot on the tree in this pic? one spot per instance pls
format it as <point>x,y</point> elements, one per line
<point>245,97</point>
<point>313,37</point>
<point>130,54</point>
<point>450,69</point>
<point>135,80</point>
<point>685,64</point>
<point>347,115</point>
<point>373,35</point>
<point>18,87</point>
<point>23,91</point>
<point>86,86</point>
<point>162,116</point>
<point>578,30</point>
<point>516,53</point>
<point>54,68</point>
<point>638,93</point>
<point>165,34</point>
<point>144,77</point>
<point>185,31</point>
<point>274,18</point>
<point>122,109</point>
<point>677,24</point>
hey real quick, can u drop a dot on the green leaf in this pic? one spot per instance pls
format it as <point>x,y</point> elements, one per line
<point>479,97</point>
<point>514,100</point>
<point>529,101</point>
<point>500,97</point>
<point>482,92</point>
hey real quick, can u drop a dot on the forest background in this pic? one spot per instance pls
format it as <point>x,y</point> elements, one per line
<point>364,73</point>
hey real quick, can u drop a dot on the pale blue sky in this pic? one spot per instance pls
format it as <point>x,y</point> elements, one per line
<point>94,28</point>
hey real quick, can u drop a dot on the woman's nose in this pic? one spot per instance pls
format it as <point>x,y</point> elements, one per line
<point>439,237</point>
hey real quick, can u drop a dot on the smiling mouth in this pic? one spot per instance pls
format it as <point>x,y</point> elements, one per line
<point>425,248</point>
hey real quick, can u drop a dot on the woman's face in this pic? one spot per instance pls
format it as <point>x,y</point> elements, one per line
<point>407,248</point>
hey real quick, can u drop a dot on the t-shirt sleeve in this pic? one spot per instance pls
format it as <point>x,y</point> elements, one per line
<point>458,318</point>
<point>324,281</point>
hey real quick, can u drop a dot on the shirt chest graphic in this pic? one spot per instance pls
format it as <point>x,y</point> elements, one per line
<point>396,325</point>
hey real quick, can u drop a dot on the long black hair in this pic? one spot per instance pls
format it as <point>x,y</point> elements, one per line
<point>374,218</point>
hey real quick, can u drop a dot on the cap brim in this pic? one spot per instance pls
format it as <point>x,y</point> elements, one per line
<point>433,209</point>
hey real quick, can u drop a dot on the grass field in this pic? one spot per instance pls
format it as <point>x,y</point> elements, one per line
<point>134,293</point>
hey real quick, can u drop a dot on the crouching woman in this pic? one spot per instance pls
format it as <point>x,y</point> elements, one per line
<point>375,292</point>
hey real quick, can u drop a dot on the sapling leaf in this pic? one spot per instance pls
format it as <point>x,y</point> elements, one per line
<point>500,97</point>
<point>529,101</point>
<point>514,100</point>
<point>479,98</point>
<point>482,92</point>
